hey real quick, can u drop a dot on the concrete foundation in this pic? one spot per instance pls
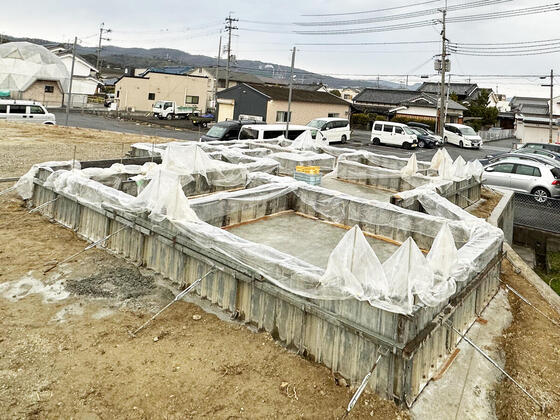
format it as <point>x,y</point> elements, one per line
<point>345,335</point>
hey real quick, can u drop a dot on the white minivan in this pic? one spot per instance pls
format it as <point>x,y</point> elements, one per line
<point>332,129</point>
<point>462,136</point>
<point>270,131</point>
<point>26,111</point>
<point>395,134</point>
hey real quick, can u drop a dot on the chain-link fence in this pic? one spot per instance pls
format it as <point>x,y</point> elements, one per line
<point>530,213</point>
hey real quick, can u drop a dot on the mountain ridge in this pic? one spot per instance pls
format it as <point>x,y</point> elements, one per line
<point>119,58</point>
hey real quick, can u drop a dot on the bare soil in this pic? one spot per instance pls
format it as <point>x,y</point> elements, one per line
<point>532,348</point>
<point>490,199</point>
<point>75,358</point>
<point>25,144</point>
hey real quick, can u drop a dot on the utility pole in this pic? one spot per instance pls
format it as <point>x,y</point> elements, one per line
<point>69,99</point>
<point>217,78</point>
<point>102,31</point>
<point>551,103</point>
<point>229,29</point>
<point>443,69</point>
<point>290,91</point>
<point>551,107</point>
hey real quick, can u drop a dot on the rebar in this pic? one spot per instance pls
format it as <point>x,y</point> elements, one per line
<point>175,299</point>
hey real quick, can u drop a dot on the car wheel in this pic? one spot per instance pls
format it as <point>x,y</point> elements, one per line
<point>421,144</point>
<point>541,195</point>
<point>343,139</point>
<point>376,142</point>
<point>406,145</point>
<point>169,117</point>
<point>444,141</point>
<point>461,144</point>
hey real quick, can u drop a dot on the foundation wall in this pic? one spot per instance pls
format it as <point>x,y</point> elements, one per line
<point>345,336</point>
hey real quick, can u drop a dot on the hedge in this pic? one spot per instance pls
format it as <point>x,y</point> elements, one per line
<point>405,120</point>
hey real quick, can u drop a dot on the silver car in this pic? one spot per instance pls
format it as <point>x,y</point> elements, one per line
<point>529,176</point>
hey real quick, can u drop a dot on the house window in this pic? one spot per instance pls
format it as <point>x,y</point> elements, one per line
<point>191,99</point>
<point>151,96</point>
<point>334,115</point>
<point>49,89</point>
<point>118,93</point>
<point>347,97</point>
<point>282,116</point>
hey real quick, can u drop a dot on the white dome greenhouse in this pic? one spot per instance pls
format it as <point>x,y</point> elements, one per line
<point>23,63</point>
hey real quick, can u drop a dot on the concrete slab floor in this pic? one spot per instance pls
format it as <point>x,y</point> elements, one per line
<point>466,390</point>
<point>357,190</point>
<point>310,240</point>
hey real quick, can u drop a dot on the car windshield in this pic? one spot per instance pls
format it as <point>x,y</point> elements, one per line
<point>467,131</point>
<point>316,123</point>
<point>421,131</point>
<point>408,130</point>
<point>217,131</point>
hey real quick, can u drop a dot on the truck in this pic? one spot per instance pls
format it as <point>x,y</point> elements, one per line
<point>169,110</point>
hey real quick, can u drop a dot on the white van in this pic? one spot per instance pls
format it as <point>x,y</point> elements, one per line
<point>462,136</point>
<point>332,129</point>
<point>26,111</point>
<point>270,131</point>
<point>396,134</point>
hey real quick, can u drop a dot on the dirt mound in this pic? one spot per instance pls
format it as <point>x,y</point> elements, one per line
<point>121,283</point>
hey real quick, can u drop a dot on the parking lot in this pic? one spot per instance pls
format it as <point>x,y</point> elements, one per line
<point>360,139</point>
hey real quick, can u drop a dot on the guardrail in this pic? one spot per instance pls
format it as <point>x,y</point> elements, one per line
<point>528,212</point>
<point>496,134</point>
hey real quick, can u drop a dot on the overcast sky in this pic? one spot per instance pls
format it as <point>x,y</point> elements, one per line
<point>194,28</point>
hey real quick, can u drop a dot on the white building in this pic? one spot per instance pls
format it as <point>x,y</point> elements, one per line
<point>85,81</point>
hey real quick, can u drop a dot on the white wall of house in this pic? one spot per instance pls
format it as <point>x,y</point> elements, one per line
<point>419,111</point>
<point>556,108</point>
<point>81,68</point>
<point>536,133</point>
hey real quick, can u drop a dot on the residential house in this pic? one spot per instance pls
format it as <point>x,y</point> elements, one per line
<point>406,103</point>
<point>532,120</point>
<point>271,104</point>
<point>464,91</point>
<point>139,93</point>
<point>348,94</point>
<point>84,81</point>
<point>235,78</point>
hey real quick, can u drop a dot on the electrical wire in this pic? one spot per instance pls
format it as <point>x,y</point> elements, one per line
<point>407,15</point>
<point>459,19</point>
<point>406,6</point>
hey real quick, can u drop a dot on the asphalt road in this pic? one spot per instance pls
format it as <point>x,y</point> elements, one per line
<point>112,124</point>
<point>359,140</point>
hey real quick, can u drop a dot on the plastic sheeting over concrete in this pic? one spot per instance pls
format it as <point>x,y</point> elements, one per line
<point>404,280</point>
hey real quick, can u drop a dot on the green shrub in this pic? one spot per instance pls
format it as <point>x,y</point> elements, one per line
<point>405,120</point>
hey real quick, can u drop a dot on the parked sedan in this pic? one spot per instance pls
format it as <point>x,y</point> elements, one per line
<point>425,139</point>
<point>523,175</point>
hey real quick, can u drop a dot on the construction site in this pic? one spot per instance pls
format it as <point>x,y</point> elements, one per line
<point>262,278</point>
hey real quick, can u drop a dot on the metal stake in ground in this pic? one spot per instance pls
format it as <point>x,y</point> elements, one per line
<point>361,388</point>
<point>177,298</point>
<point>450,326</point>
<point>86,248</point>
<point>524,299</point>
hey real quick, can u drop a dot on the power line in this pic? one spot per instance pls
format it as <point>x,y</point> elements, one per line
<point>423,23</point>
<point>406,6</point>
<point>407,15</point>
<point>366,43</point>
